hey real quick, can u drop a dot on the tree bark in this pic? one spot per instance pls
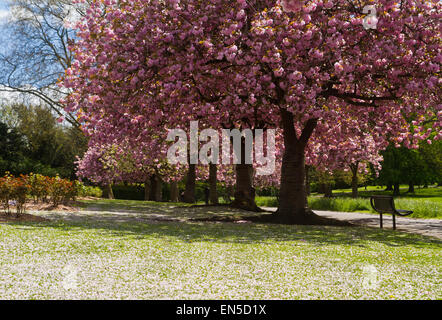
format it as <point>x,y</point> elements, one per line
<point>293,207</point>
<point>155,192</point>
<point>189,193</point>
<point>213,193</point>
<point>244,191</point>
<point>328,192</point>
<point>174,191</point>
<point>107,192</point>
<point>146,188</point>
<point>354,179</point>
<point>411,187</point>
<point>307,180</point>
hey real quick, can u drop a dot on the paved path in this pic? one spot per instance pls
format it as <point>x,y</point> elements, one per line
<point>427,227</point>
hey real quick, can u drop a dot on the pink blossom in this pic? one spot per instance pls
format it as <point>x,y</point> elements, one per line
<point>292,5</point>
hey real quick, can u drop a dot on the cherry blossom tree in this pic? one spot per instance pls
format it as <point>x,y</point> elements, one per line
<point>293,65</point>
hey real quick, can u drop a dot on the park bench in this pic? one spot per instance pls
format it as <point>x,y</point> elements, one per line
<point>385,204</point>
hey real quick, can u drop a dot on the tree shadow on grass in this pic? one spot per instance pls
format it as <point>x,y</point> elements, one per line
<point>146,212</point>
<point>240,233</point>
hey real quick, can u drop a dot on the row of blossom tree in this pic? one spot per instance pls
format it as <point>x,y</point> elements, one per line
<point>336,92</point>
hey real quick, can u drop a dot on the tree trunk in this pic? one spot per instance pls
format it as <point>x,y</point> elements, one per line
<point>293,207</point>
<point>244,191</point>
<point>354,179</point>
<point>189,193</point>
<point>107,192</point>
<point>396,190</point>
<point>213,194</point>
<point>159,190</point>
<point>411,187</point>
<point>155,192</point>
<point>146,188</point>
<point>293,196</point>
<point>174,191</point>
<point>328,192</point>
<point>307,180</point>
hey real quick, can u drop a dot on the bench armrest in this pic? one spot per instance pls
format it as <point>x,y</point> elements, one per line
<point>403,213</point>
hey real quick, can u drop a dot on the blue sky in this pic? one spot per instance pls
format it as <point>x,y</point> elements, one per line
<point>2,4</point>
<point>3,16</point>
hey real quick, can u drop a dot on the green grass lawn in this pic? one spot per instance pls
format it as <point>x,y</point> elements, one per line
<point>426,203</point>
<point>92,259</point>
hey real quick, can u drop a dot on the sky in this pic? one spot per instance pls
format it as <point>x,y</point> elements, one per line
<point>4,12</point>
<point>6,97</point>
<point>3,16</point>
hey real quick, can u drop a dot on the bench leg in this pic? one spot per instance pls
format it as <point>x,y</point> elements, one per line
<point>394,221</point>
<point>381,220</point>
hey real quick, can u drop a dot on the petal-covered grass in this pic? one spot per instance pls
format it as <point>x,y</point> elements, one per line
<point>93,259</point>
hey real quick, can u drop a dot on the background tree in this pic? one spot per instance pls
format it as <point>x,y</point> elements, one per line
<point>411,166</point>
<point>432,157</point>
<point>38,53</point>
<point>12,150</point>
<point>46,146</point>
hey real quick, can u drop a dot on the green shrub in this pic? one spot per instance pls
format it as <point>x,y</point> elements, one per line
<point>266,201</point>
<point>39,187</point>
<point>88,191</point>
<point>129,192</point>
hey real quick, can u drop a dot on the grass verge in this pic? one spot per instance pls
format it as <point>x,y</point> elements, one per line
<point>426,203</point>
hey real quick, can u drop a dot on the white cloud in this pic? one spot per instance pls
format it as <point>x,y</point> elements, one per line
<point>4,15</point>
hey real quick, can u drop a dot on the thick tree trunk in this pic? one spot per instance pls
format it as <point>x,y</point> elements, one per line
<point>155,192</point>
<point>307,180</point>
<point>107,192</point>
<point>354,179</point>
<point>411,187</point>
<point>189,193</point>
<point>174,191</point>
<point>244,191</point>
<point>396,189</point>
<point>213,193</point>
<point>293,207</point>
